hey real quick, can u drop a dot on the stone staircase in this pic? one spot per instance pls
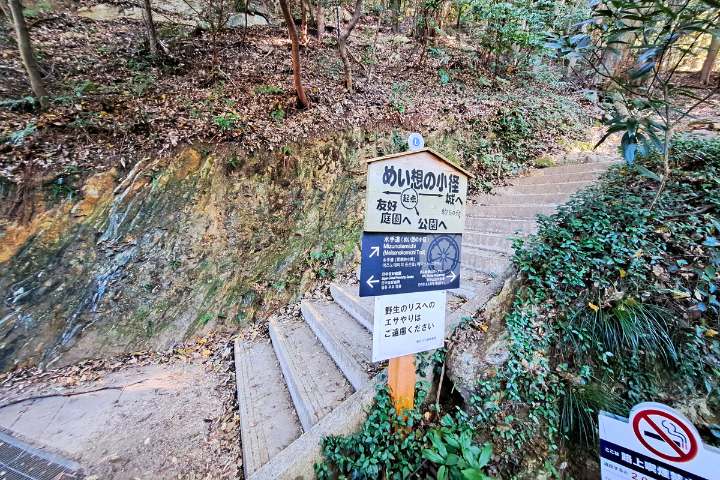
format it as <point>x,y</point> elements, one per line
<point>314,376</point>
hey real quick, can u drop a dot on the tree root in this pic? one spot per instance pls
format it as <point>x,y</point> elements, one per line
<point>67,394</point>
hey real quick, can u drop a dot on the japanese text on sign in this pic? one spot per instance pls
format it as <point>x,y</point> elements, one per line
<point>415,193</point>
<point>656,443</point>
<point>393,264</point>
<point>408,324</point>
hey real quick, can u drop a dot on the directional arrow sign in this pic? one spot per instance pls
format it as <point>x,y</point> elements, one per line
<point>405,263</point>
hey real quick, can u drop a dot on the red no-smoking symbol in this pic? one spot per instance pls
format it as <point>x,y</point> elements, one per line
<point>658,430</point>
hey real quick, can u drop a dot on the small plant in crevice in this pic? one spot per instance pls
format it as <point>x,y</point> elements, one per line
<point>17,137</point>
<point>277,114</point>
<point>580,407</point>
<point>398,99</point>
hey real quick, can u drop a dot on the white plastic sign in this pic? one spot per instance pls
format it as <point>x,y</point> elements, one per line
<point>656,443</point>
<point>408,323</point>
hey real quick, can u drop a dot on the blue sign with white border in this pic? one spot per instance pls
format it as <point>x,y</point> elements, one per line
<point>409,262</point>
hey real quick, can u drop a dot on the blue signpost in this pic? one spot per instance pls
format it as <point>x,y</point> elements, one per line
<point>409,262</point>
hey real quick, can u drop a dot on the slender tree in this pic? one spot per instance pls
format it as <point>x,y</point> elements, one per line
<point>303,22</point>
<point>26,52</point>
<point>6,10</point>
<point>150,25</point>
<point>707,67</point>
<point>342,43</point>
<point>395,8</point>
<point>292,31</point>
<point>320,20</point>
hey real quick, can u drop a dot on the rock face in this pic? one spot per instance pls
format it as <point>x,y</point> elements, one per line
<point>238,20</point>
<point>170,11</point>
<point>176,246</point>
<point>476,356</point>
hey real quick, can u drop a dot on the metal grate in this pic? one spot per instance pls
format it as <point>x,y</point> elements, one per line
<point>19,461</point>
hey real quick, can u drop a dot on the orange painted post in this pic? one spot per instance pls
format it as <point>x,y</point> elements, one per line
<point>401,380</point>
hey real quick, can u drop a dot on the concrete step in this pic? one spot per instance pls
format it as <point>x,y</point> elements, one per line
<point>556,178</point>
<point>537,199</point>
<point>316,384</point>
<point>500,225</point>
<point>484,261</point>
<point>360,308</point>
<point>582,167</point>
<point>568,187</point>
<point>496,242</point>
<point>363,308</point>
<point>510,210</point>
<point>472,283</point>
<point>347,342</point>
<point>268,419</point>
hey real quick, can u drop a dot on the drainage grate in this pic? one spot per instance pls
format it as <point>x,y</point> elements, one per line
<point>19,461</point>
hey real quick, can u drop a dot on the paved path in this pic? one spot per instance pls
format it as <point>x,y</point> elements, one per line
<point>151,429</point>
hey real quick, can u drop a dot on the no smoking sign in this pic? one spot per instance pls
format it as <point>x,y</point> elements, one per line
<point>656,443</point>
<point>665,435</point>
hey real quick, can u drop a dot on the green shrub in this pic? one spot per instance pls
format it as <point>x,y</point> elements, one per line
<point>382,449</point>
<point>620,306</point>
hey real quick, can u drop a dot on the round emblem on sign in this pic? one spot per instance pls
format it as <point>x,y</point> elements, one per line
<point>416,141</point>
<point>665,435</point>
<point>443,254</point>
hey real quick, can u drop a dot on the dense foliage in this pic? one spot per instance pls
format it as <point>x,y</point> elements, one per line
<point>383,449</point>
<point>620,305</point>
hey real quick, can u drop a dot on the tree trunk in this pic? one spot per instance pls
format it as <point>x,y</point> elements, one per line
<point>612,58</point>
<point>395,8</point>
<point>712,54</point>
<point>26,53</point>
<point>320,21</point>
<point>152,38</point>
<point>342,43</point>
<point>303,22</point>
<point>346,62</point>
<point>295,53</point>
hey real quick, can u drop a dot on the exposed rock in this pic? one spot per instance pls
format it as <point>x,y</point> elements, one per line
<point>476,356</point>
<point>105,12</point>
<point>238,20</point>
<point>99,188</point>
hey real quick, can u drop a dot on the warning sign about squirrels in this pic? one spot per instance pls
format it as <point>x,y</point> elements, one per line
<point>656,443</point>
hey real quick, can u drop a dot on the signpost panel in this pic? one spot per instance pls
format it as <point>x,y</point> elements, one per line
<point>407,324</point>
<point>656,443</point>
<point>406,263</point>
<point>414,220</point>
<point>415,192</point>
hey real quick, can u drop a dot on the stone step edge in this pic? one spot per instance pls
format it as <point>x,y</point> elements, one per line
<point>342,298</point>
<point>350,367</point>
<point>242,395</point>
<point>283,357</point>
<point>297,460</point>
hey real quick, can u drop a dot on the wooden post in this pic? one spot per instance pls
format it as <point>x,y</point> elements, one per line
<point>401,380</point>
